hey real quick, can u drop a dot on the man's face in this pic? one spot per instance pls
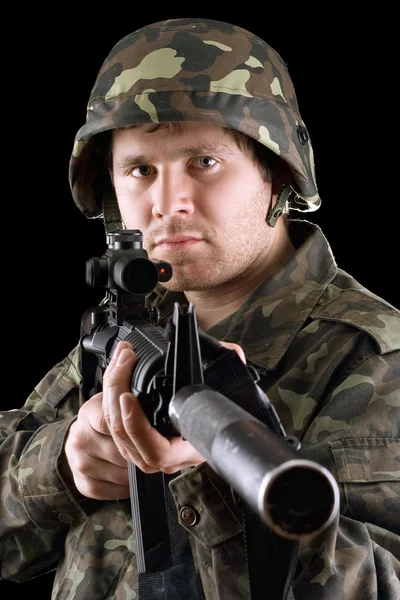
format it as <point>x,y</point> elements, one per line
<point>198,200</point>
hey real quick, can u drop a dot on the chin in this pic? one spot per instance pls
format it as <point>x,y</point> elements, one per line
<point>184,285</point>
<point>175,286</point>
<point>194,277</point>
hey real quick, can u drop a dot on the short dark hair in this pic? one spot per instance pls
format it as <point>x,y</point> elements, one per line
<point>269,163</point>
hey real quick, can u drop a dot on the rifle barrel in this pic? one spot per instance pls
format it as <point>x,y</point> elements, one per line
<point>295,497</point>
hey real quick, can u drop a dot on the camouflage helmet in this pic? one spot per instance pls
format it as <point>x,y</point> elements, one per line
<point>192,70</point>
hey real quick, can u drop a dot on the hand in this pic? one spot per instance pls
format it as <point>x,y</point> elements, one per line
<point>137,441</point>
<point>102,440</point>
<point>91,458</point>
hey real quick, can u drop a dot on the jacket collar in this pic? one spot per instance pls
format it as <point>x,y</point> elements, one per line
<point>271,317</point>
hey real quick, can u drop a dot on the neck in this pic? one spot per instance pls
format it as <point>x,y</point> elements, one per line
<point>215,304</point>
<point>212,306</point>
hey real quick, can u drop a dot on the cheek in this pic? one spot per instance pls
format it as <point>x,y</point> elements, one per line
<point>133,210</point>
<point>242,210</point>
<point>220,203</point>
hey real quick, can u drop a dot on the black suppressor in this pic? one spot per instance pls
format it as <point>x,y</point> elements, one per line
<point>295,497</point>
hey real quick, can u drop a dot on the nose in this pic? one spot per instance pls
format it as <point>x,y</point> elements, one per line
<point>172,193</point>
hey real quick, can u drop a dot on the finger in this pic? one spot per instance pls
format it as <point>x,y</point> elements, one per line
<point>99,424</point>
<point>181,455</point>
<point>84,445</point>
<point>122,345</point>
<point>92,412</point>
<point>101,490</point>
<point>148,444</point>
<point>102,447</point>
<point>116,383</point>
<point>238,349</point>
<point>134,436</point>
<point>156,452</point>
<point>117,380</point>
<point>88,467</point>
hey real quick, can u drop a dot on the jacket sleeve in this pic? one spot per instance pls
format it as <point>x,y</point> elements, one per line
<point>36,507</point>
<point>356,436</point>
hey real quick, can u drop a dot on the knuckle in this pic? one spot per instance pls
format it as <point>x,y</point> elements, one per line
<point>107,418</point>
<point>91,489</point>
<point>158,461</point>
<point>79,463</point>
<point>124,452</point>
<point>118,430</point>
<point>147,469</point>
<point>77,445</point>
<point>112,383</point>
<point>169,470</point>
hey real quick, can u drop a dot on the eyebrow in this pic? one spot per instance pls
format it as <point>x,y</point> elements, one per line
<point>200,149</point>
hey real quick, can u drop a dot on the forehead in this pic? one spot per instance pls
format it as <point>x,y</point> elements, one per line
<point>153,139</point>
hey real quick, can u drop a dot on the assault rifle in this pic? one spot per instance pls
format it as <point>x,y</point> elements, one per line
<point>189,385</point>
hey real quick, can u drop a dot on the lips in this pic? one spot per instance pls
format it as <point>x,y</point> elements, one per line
<point>177,242</point>
<point>176,239</point>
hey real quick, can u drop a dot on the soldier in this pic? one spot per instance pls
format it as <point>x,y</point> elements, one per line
<point>194,136</point>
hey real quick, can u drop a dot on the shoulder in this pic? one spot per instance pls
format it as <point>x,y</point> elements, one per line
<point>346,301</point>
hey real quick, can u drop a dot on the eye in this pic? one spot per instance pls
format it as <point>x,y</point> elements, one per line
<point>205,162</point>
<point>141,171</point>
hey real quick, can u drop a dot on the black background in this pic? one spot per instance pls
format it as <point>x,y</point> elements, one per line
<point>346,87</point>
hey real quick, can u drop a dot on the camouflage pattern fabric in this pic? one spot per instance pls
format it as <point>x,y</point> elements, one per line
<point>192,70</point>
<point>328,354</point>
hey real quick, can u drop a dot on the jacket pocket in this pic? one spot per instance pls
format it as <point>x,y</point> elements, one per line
<point>368,470</point>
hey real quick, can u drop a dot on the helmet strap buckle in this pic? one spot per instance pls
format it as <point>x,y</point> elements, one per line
<point>276,210</point>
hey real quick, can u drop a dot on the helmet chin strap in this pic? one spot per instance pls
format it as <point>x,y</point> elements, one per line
<point>111,214</point>
<point>275,211</point>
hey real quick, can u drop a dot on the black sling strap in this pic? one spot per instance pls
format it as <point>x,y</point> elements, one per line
<point>178,580</point>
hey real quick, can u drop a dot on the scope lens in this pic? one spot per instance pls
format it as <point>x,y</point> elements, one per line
<point>139,276</point>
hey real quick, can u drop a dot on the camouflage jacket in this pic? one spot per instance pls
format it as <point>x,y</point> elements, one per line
<point>327,351</point>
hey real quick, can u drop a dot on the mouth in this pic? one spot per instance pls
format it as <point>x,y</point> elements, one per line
<point>180,242</point>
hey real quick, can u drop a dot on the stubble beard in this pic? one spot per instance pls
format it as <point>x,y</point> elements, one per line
<point>228,264</point>
<point>196,275</point>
